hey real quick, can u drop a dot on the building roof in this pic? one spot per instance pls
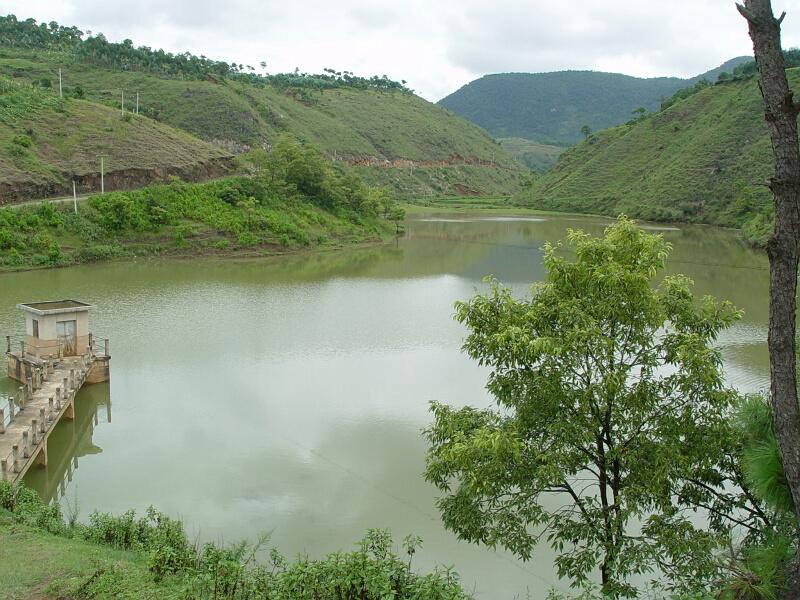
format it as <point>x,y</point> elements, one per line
<point>54,307</point>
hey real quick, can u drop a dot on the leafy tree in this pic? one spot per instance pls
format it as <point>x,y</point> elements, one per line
<point>610,398</point>
<point>586,131</point>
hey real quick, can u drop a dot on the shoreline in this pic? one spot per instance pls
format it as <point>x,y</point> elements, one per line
<point>188,254</point>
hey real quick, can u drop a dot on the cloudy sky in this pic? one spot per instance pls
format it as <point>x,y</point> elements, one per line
<point>437,45</point>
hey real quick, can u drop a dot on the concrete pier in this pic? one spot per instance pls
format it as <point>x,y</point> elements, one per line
<point>46,396</point>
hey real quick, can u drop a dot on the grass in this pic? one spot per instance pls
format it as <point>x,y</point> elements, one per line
<point>45,142</point>
<point>36,564</point>
<point>389,130</point>
<point>149,556</point>
<point>706,159</point>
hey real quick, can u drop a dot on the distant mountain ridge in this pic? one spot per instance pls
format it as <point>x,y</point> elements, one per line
<point>552,107</point>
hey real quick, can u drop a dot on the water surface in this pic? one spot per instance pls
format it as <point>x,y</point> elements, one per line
<point>288,395</point>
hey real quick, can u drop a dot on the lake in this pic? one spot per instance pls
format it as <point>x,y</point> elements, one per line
<point>288,394</point>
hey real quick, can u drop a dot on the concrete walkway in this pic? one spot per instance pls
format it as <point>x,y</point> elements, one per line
<point>40,404</point>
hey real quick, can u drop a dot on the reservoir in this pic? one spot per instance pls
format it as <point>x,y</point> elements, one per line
<point>288,395</point>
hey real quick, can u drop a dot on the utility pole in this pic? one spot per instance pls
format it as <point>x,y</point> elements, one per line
<point>123,103</point>
<point>60,90</point>
<point>137,103</point>
<point>102,177</point>
<point>74,198</point>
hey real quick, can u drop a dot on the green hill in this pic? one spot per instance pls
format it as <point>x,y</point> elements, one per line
<point>551,108</point>
<point>537,157</point>
<point>704,159</point>
<point>47,142</point>
<point>391,135</point>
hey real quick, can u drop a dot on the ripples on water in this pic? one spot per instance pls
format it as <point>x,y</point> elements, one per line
<point>289,395</point>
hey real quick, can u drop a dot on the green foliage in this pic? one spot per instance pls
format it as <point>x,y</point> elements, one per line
<point>705,159</point>
<point>758,572</point>
<point>28,508</point>
<point>761,459</point>
<point>20,100</point>
<point>537,157</point>
<point>297,197</point>
<point>551,108</point>
<point>373,571</point>
<point>371,124</point>
<point>158,536</point>
<point>611,409</point>
<point>98,50</point>
<point>29,232</point>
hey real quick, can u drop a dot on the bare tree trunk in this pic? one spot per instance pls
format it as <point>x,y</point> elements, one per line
<point>783,248</point>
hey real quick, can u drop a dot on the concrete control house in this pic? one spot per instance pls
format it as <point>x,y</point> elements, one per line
<point>57,331</point>
<point>57,328</point>
<point>55,357</point>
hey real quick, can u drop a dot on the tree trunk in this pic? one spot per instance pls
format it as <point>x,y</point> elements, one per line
<point>783,248</point>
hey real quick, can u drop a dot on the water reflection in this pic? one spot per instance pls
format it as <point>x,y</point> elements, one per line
<point>288,394</point>
<point>71,441</point>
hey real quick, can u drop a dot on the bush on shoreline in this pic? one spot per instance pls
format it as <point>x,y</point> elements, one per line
<point>373,570</point>
<point>294,199</point>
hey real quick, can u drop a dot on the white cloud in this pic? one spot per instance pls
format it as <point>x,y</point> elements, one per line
<point>437,45</point>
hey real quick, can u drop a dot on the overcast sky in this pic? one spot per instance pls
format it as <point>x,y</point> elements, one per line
<point>437,45</point>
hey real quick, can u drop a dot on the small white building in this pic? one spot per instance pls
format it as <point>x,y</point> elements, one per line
<point>56,328</point>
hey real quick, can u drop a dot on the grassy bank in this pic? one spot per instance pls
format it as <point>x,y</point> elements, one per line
<point>37,564</point>
<point>126,556</point>
<point>296,200</point>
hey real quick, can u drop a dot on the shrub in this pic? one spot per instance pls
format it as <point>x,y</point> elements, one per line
<point>14,258</point>
<point>158,536</point>
<point>28,508</point>
<point>22,140</point>
<point>246,239</point>
<point>99,252</point>
<point>372,571</point>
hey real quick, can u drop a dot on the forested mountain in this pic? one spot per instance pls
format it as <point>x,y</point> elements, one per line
<point>552,107</point>
<point>378,126</point>
<point>705,158</point>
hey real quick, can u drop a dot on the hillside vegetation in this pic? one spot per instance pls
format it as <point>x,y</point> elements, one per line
<point>537,157</point>
<point>295,200</point>
<point>46,142</point>
<point>393,136</point>
<point>551,108</point>
<point>704,159</point>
